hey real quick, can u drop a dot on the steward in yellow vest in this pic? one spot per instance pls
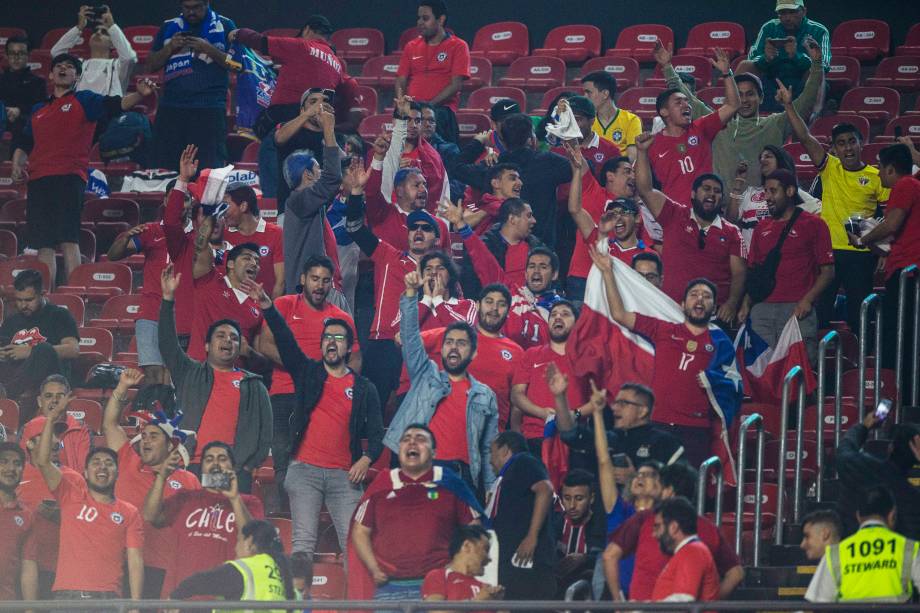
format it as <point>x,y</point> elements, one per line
<point>875,564</point>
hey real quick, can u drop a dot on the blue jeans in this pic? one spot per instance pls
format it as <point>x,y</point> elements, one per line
<point>399,589</point>
<point>308,487</point>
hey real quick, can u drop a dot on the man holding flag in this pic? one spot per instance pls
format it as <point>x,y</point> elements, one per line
<point>693,361</point>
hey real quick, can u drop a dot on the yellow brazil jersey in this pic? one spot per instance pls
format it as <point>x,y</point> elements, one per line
<point>846,193</point>
<point>623,130</point>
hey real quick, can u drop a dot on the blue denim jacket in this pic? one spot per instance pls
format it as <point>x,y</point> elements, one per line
<point>430,385</point>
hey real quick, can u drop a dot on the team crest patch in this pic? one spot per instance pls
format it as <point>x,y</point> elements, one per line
<point>236,383</point>
<point>863,181</point>
<point>174,484</point>
<point>255,311</point>
<point>442,56</point>
<point>618,135</point>
<point>433,494</point>
<point>506,355</point>
<point>642,452</point>
<point>709,347</point>
<point>349,393</point>
<point>599,157</point>
<point>18,520</point>
<point>682,148</point>
<point>693,141</point>
<point>116,518</point>
<point>263,250</point>
<point>66,107</point>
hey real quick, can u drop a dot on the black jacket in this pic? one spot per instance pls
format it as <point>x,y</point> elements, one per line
<point>541,171</point>
<point>309,379</point>
<point>499,247</point>
<point>23,90</point>
<point>641,443</point>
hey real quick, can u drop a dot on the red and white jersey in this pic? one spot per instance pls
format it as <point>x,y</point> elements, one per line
<point>439,313</point>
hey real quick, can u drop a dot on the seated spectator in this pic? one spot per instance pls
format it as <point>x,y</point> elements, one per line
<point>20,89</point>
<point>76,439</point>
<point>220,401</point>
<point>505,183</point>
<point>93,553</point>
<point>434,65</point>
<point>244,225</point>
<point>204,524</point>
<point>609,211</point>
<point>849,188</point>
<point>637,535</point>
<point>683,353</point>
<point>531,394</point>
<point>690,574</point>
<point>784,46</point>
<point>18,550</point>
<point>747,202</point>
<point>260,571</point>
<point>820,529</point>
<point>617,125</point>
<point>440,305</point>
<point>682,151</point>
<point>469,555</point>
<point>38,340</point>
<point>193,50</point>
<point>580,529</point>
<point>305,314</point>
<point>713,248</point>
<point>139,459</point>
<point>403,527</point>
<point>519,509</point>
<point>334,410</point>
<point>595,148</point>
<point>649,266</point>
<point>460,411</point>
<point>102,73</point>
<point>806,265</point>
<point>750,131</point>
<point>541,171</point>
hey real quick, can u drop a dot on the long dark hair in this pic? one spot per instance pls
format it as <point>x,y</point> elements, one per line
<point>783,159</point>
<point>266,540</point>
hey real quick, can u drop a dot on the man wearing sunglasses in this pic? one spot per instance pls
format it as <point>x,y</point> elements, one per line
<point>102,73</point>
<point>698,242</point>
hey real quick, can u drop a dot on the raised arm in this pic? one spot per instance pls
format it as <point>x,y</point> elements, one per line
<point>732,98</point>
<point>605,473</point>
<point>203,261</point>
<point>176,360</point>
<point>485,266</point>
<point>799,129</point>
<point>653,199</point>
<point>619,313</point>
<point>115,436</point>
<point>292,357</point>
<point>582,218</point>
<point>663,57</point>
<point>123,246</point>
<point>413,349</point>
<point>42,456</point>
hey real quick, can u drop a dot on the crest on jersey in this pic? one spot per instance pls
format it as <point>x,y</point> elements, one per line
<point>599,157</point>
<point>442,56</point>
<point>618,135</point>
<point>349,392</point>
<point>506,355</point>
<point>236,383</point>
<point>693,141</point>
<point>263,250</point>
<point>18,520</point>
<point>116,518</point>
<point>864,181</point>
<point>174,484</point>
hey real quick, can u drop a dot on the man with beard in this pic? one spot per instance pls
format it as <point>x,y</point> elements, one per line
<point>806,264</point>
<point>98,531</point>
<point>697,240</point>
<point>305,314</point>
<point>683,150</point>
<point>140,459</point>
<point>333,410</point>
<point>609,210</point>
<point>530,392</point>
<point>461,412</point>
<point>18,551</point>
<point>204,523</point>
<point>690,574</point>
<point>220,401</point>
<point>683,352</point>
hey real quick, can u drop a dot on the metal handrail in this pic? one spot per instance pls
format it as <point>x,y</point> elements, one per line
<point>754,420</point>
<point>794,373</point>
<point>863,331</point>
<point>912,271</point>
<point>829,338</point>
<point>705,467</point>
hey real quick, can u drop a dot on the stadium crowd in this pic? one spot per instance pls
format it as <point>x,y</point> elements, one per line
<point>488,366</point>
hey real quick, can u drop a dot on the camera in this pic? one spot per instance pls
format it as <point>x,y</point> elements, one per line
<point>883,409</point>
<point>94,19</point>
<point>217,481</point>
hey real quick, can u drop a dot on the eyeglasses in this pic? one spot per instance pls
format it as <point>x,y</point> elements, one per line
<point>334,337</point>
<point>424,227</point>
<point>701,239</point>
<point>627,403</point>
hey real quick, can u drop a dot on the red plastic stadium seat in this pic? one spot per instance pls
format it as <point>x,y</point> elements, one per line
<point>365,101</point>
<point>535,74</point>
<point>9,243</point>
<point>864,39</point>
<point>88,412</point>
<point>869,152</point>
<point>404,38</point>
<point>704,38</point>
<point>804,167</point>
<point>119,313</point>
<point>371,126</point>
<point>40,62</point>
<point>379,71</point>
<point>501,43</point>
<point>14,211</point>
<point>12,267</point>
<point>914,111</point>
<point>822,127</point>
<point>328,581</point>
<point>9,417</point>
<point>358,44</point>
<point>911,44</point>
<point>714,97</point>
<point>572,43</point>
<point>72,303</point>
<point>695,65</point>
<point>909,126</point>
<point>96,340</point>
<point>849,415</point>
<point>877,104</point>
<point>111,210</point>
<point>624,69</point>
<point>6,33</point>
<point>850,385</point>
<point>901,72</point>
<point>638,42</point>
<point>141,39</point>
<point>809,458</point>
<point>99,281</point>
<point>251,152</point>
<point>549,96</point>
<point>81,49</point>
<point>483,98</point>
<point>471,123</point>
<point>8,194</point>
<point>640,100</point>
<point>843,74</point>
<point>480,72</point>
<point>767,506</point>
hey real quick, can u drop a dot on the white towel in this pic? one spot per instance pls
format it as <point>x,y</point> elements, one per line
<point>565,127</point>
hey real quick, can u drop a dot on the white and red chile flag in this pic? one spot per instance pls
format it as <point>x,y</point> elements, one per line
<point>609,353</point>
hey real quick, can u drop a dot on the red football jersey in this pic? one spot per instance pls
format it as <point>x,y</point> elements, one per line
<point>216,299</point>
<point>270,239</point>
<point>678,160</point>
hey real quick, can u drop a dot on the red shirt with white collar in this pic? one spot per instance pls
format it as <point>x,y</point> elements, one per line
<point>437,312</point>
<point>216,299</point>
<point>450,585</point>
<point>270,239</point>
<point>691,571</point>
<point>430,68</point>
<point>678,160</point>
<point>597,151</point>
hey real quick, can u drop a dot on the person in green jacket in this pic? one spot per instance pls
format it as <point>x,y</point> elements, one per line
<point>783,49</point>
<point>747,133</point>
